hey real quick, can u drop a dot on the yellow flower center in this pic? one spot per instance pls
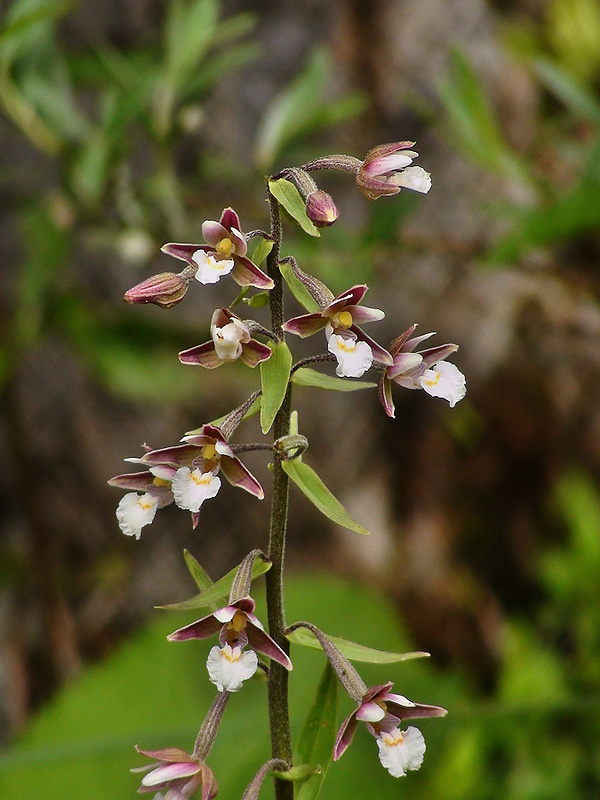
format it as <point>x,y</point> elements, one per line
<point>203,479</point>
<point>433,381</point>
<point>145,505</point>
<point>238,623</point>
<point>225,247</point>
<point>209,451</point>
<point>231,657</point>
<point>161,482</point>
<point>347,346</point>
<point>342,320</point>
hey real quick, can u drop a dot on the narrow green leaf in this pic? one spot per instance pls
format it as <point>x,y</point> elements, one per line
<point>352,650</point>
<point>298,289</point>
<point>217,591</point>
<point>291,199</point>
<point>197,571</point>
<point>258,300</point>
<point>309,483</point>
<point>575,97</point>
<point>297,773</point>
<point>274,379</point>
<point>310,377</point>
<point>315,745</point>
<point>261,251</point>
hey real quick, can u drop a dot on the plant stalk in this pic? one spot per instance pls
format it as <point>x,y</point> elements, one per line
<point>279,720</point>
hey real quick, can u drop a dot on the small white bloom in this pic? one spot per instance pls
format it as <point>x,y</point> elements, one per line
<point>211,269</point>
<point>414,178</point>
<point>400,751</point>
<point>135,511</point>
<point>228,339</point>
<point>228,667</point>
<point>444,380</point>
<point>192,487</point>
<point>354,357</point>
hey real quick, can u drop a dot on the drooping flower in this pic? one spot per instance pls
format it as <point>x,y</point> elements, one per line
<point>180,773</point>
<point>185,473</point>
<point>224,253</point>
<point>340,318</point>
<point>387,169</point>
<point>382,711</point>
<point>426,369</point>
<point>230,340</point>
<point>238,627</point>
<point>138,507</point>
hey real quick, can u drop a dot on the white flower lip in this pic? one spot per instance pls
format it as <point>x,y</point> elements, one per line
<point>444,380</point>
<point>354,357</point>
<point>191,488</point>
<point>400,751</point>
<point>211,269</point>
<point>229,667</point>
<point>136,511</point>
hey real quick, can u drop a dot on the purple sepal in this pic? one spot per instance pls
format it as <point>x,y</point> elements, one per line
<point>201,629</point>
<point>385,396</point>
<point>203,355</point>
<point>404,362</point>
<point>184,252</point>
<point>253,353</point>
<point>435,354</point>
<point>362,314</point>
<point>246,273</point>
<point>345,735</point>
<point>305,325</point>
<point>173,754</point>
<point>238,475</point>
<point>261,641</point>
<point>380,354</point>
<point>180,455</point>
<point>351,297</point>
<point>136,481</point>
<point>229,219</point>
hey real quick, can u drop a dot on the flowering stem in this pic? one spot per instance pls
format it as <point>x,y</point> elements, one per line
<point>281,743</point>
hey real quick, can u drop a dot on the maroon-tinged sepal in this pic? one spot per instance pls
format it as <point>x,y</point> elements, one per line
<point>320,209</point>
<point>165,290</point>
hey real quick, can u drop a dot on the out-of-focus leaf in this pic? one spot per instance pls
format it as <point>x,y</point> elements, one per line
<point>474,122</point>
<point>274,378</point>
<point>291,199</point>
<point>301,108</point>
<point>197,571</point>
<point>189,31</point>
<point>25,20</point>
<point>573,29</point>
<point>261,251</point>
<point>55,103</point>
<point>309,483</point>
<point>315,745</point>
<point>217,591</point>
<point>578,100</point>
<point>310,377</point>
<point>298,289</point>
<point>352,650</point>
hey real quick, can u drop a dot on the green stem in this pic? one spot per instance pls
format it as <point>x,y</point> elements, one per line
<point>279,719</point>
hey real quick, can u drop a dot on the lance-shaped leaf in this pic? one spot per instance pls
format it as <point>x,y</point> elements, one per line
<point>298,289</point>
<point>315,745</point>
<point>352,650</point>
<point>261,251</point>
<point>197,571</point>
<point>218,591</point>
<point>274,379</point>
<point>309,483</point>
<point>310,377</point>
<point>291,199</point>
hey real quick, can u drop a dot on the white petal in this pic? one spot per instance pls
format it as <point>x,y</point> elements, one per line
<point>444,380</point>
<point>136,510</point>
<point>394,161</point>
<point>400,751</point>
<point>228,340</point>
<point>228,667</point>
<point>211,269</point>
<point>414,178</point>
<point>191,488</point>
<point>354,358</point>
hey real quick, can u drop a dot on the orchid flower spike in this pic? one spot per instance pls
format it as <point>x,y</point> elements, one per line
<point>353,349</point>
<point>224,254</point>
<point>229,665</point>
<point>425,369</point>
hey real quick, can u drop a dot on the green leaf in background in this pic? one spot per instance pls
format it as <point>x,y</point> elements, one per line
<point>302,108</point>
<point>217,591</point>
<point>576,98</point>
<point>291,199</point>
<point>274,379</point>
<point>309,483</point>
<point>261,251</point>
<point>201,577</point>
<point>310,377</point>
<point>352,650</point>
<point>315,745</point>
<point>298,289</point>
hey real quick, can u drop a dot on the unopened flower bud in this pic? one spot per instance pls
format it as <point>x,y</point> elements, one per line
<point>165,290</point>
<point>320,209</point>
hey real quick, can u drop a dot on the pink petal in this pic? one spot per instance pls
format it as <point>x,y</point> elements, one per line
<point>213,232</point>
<point>415,711</point>
<point>138,481</point>
<point>352,297</point>
<point>305,325</point>
<point>238,475</point>
<point>184,252</point>
<point>399,341</point>
<point>362,314</point>
<point>254,352</point>
<point>435,354</point>
<point>170,772</point>
<point>245,273</point>
<point>239,240</point>
<point>177,456</point>
<point>385,397</point>
<point>204,355</point>
<point>375,187</point>
<point>404,362</point>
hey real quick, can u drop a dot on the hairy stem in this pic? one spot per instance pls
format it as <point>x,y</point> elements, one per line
<point>279,720</point>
